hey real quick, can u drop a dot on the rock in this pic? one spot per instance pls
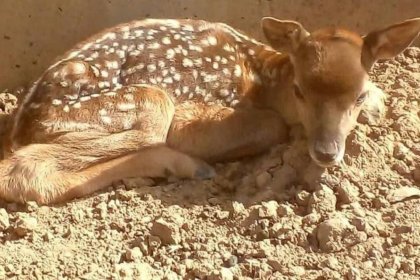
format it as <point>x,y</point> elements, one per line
<point>401,168</point>
<point>4,219</point>
<point>302,198</point>
<point>403,193</point>
<point>284,210</point>
<point>297,270</point>
<point>134,271</point>
<point>416,174</point>
<point>24,225</point>
<point>347,193</point>
<point>408,266</point>
<point>262,179</point>
<point>222,274</point>
<point>131,183</point>
<point>167,232</point>
<point>134,254</point>
<point>332,263</point>
<point>238,209</point>
<point>400,151</point>
<point>268,209</point>
<point>331,232</point>
<point>322,201</point>
<point>353,274</point>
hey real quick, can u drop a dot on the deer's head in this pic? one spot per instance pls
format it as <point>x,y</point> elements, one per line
<point>331,80</point>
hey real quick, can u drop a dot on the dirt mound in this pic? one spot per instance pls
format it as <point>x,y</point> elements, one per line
<point>273,217</point>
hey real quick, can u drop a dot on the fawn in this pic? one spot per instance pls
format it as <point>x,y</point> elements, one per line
<point>157,97</point>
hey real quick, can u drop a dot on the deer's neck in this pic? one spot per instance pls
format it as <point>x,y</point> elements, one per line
<point>275,82</point>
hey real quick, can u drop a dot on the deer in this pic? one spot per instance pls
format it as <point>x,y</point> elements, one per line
<point>160,97</point>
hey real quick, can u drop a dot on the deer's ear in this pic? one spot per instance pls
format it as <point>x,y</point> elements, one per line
<point>283,35</point>
<point>389,42</point>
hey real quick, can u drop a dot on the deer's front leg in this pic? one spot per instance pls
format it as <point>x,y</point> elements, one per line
<point>219,133</point>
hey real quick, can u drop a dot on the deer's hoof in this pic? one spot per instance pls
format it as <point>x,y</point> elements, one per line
<point>204,172</point>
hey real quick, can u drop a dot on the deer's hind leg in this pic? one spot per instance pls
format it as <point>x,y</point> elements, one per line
<point>78,163</point>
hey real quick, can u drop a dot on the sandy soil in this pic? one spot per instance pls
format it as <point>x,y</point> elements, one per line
<point>272,217</point>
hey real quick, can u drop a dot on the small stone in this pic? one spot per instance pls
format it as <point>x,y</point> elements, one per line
<point>268,209</point>
<point>302,198</point>
<point>322,201</point>
<point>167,232</point>
<point>134,254</point>
<point>31,206</point>
<point>102,209</point>
<point>232,261</point>
<point>332,263</point>
<point>416,174</point>
<point>48,237</point>
<point>400,151</point>
<point>401,168</point>
<point>226,274</point>
<point>4,219</point>
<point>238,209</point>
<point>330,233</point>
<point>284,210</point>
<point>353,274</point>
<point>24,225</point>
<point>408,266</point>
<point>262,179</point>
<point>347,193</point>
<point>297,270</point>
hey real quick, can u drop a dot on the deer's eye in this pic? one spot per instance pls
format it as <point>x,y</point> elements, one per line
<point>298,93</point>
<point>361,98</point>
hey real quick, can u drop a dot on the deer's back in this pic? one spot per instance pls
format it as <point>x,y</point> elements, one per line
<point>192,61</point>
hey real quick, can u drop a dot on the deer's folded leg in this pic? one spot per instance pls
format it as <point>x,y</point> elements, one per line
<point>220,133</point>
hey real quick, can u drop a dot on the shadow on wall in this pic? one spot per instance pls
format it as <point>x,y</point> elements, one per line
<point>33,33</point>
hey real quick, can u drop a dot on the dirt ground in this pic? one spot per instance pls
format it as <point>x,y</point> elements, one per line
<point>276,216</point>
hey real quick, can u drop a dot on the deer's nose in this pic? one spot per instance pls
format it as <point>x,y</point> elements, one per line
<point>326,152</point>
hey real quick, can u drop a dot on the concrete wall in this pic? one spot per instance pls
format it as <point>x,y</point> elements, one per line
<point>33,32</point>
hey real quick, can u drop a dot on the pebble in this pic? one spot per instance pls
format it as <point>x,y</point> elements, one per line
<point>302,198</point>
<point>347,193</point>
<point>134,254</point>
<point>25,225</point>
<point>353,274</point>
<point>322,201</point>
<point>268,209</point>
<point>330,233</point>
<point>400,151</point>
<point>167,232</point>
<point>4,219</point>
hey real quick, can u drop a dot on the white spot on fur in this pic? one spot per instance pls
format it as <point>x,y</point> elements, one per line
<point>215,65</point>
<point>212,40</point>
<point>124,107</point>
<point>66,108</point>
<point>166,41</point>
<point>186,62</point>
<point>56,102</point>
<point>77,105</point>
<point>238,71</point>
<point>170,53</point>
<point>103,112</point>
<point>154,46</point>
<point>106,119</point>
<point>151,68</point>
<point>84,98</point>
<point>177,77</point>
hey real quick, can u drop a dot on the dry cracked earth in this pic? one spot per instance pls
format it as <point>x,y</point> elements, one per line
<point>276,216</point>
